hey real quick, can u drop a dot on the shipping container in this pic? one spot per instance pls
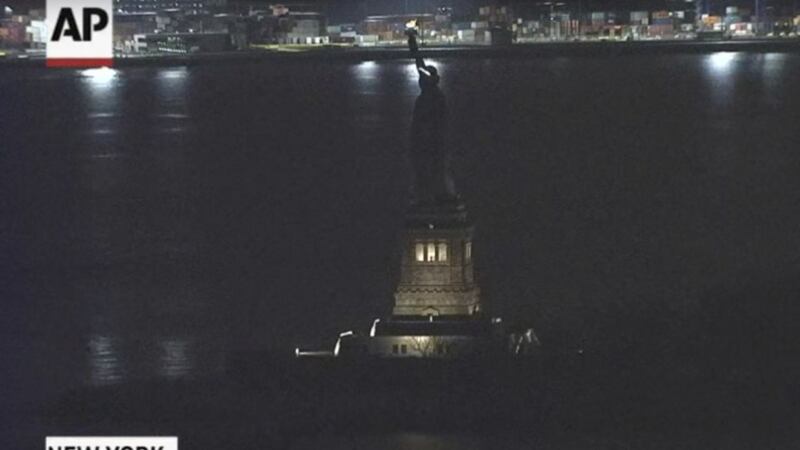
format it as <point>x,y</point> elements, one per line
<point>661,30</point>
<point>660,15</point>
<point>367,39</point>
<point>466,35</point>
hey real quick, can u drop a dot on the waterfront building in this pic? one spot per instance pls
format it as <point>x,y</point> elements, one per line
<point>187,6</point>
<point>603,24</point>
<point>36,34</point>
<point>711,23</point>
<point>639,20</point>
<point>392,28</point>
<point>181,43</point>
<point>12,33</point>
<point>303,28</point>
<point>128,25</point>
<point>562,26</point>
<point>662,25</point>
<point>284,25</point>
<point>740,22</point>
<point>346,33</point>
<point>496,16</point>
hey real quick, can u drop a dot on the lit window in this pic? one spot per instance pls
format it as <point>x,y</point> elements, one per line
<point>468,251</point>
<point>420,251</point>
<point>431,256</point>
<point>441,252</point>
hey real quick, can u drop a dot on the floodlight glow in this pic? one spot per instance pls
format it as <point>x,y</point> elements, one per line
<point>721,62</point>
<point>373,330</point>
<point>100,75</point>
<point>367,67</point>
<point>173,74</point>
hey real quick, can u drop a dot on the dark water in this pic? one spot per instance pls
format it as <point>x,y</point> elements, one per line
<point>156,219</point>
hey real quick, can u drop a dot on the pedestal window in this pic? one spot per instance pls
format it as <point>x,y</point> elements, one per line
<point>430,252</point>
<point>441,252</point>
<point>419,249</point>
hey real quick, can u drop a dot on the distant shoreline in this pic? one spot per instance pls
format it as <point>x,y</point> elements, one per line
<point>548,49</point>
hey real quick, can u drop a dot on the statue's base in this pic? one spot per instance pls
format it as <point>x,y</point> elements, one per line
<point>441,212</point>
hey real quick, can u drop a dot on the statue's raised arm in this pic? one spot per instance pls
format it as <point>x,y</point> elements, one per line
<point>429,156</point>
<point>414,47</point>
<point>428,75</point>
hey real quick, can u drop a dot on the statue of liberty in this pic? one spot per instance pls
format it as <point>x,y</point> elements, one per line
<point>429,157</point>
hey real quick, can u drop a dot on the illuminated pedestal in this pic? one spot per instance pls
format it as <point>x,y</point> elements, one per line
<point>437,306</point>
<point>436,275</point>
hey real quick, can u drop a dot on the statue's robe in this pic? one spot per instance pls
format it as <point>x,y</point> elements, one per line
<point>432,180</point>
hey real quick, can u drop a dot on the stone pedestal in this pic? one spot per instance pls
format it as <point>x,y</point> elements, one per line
<point>436,276</point>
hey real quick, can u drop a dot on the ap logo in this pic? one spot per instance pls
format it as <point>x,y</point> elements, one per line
<point>80,33</point>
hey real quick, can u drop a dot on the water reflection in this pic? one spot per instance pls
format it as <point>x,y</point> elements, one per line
<point>100,115</point>
<point>720,75</point>
<point>179,73</point>
<point>172,130</point>
<point>725,69</point>
<point>773,65</point>
<point>133,242</point>
<point>171,358</point>
<point>104,361</point>
<point>106,156</point>
<point>371,75</point>
<point>173,116</point>
<point>367,70</point>
<point>176,357</point>
<point>100,77</point>
<point>172,83</point>
<point>418,441</point>
<point>101,86</point>
<point>103,110</point>
<point>367,78</point>
<point>721,63</point>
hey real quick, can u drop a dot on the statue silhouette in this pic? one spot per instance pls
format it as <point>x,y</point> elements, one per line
<point>429,157</point>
